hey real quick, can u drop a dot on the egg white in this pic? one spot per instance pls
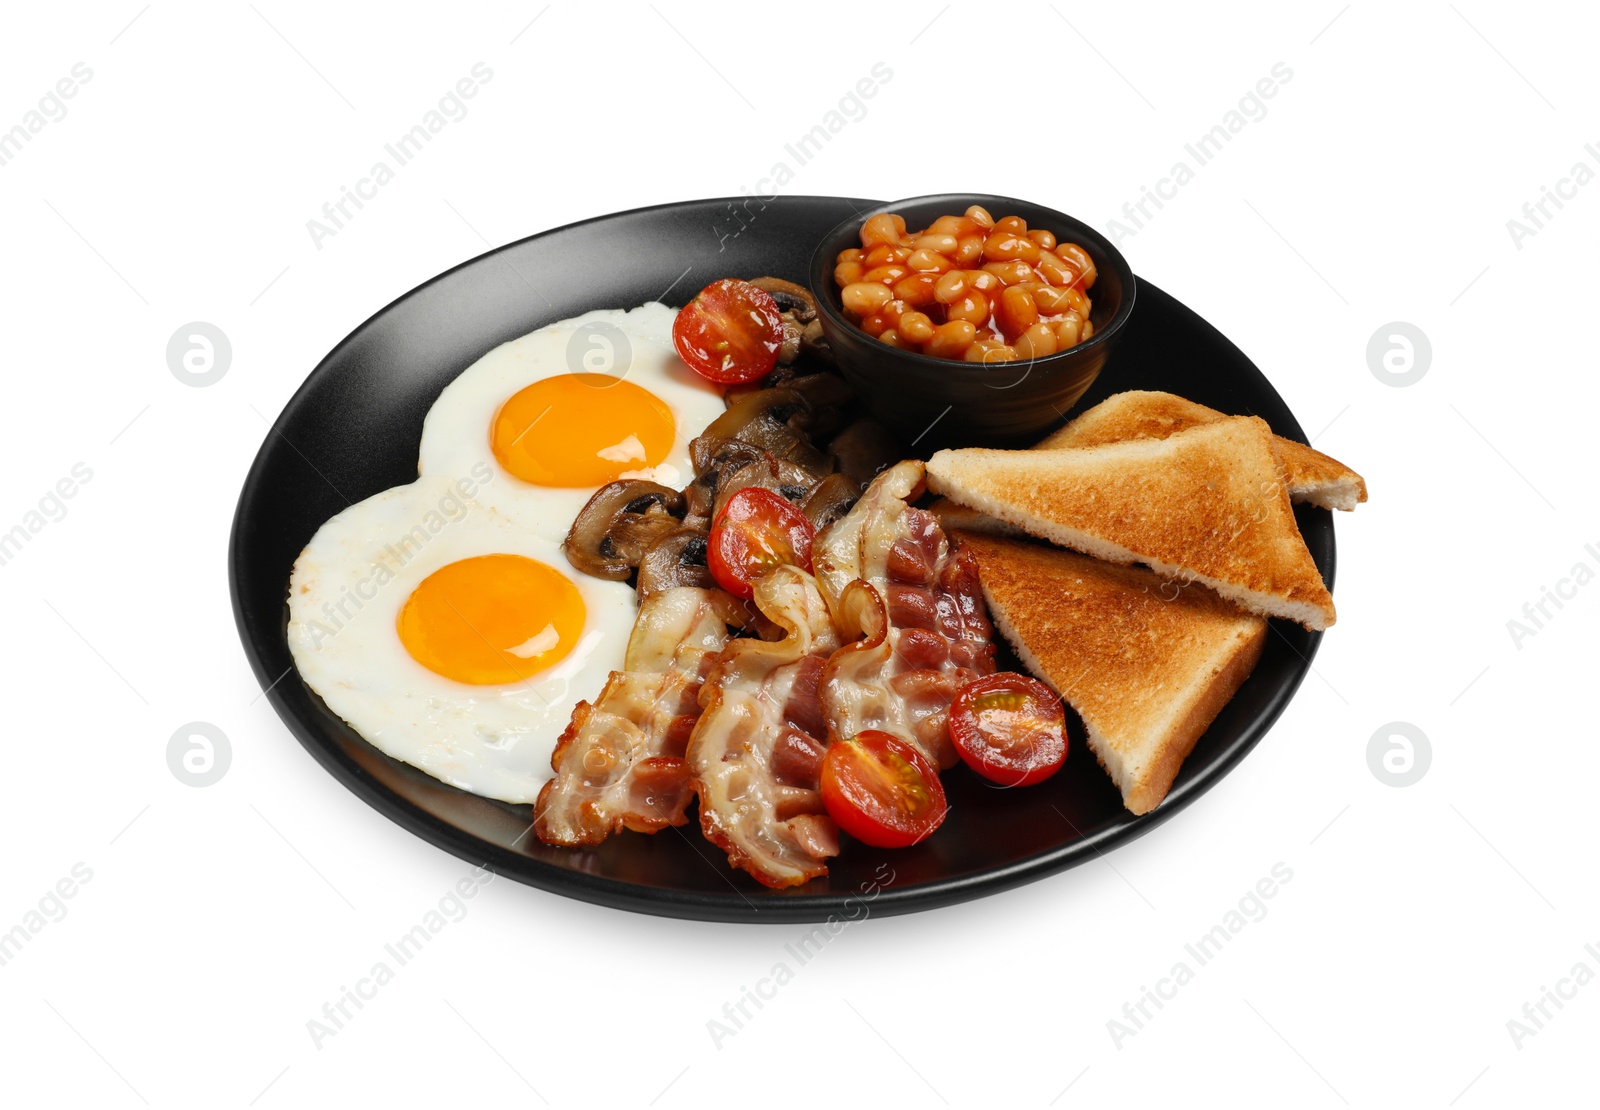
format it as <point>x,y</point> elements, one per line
<point>455,434</point>
<point>345,596</point>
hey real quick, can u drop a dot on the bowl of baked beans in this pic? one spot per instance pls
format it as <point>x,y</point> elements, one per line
<point>970,319</point>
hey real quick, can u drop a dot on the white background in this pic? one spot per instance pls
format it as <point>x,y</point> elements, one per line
<point>1377,188</point>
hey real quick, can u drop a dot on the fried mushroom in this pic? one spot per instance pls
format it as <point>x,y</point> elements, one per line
<point>777,421</point>
<point>864,448</point>
<point>677,558</point>
<point>715,458</point>
<point>829,500</point>
<point>619,524</point>
<point>794,299</point>
<point>798,309</point>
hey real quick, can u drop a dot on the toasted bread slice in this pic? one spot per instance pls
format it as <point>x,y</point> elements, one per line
<point>1147,664</point>
<point>1207,504</point>
<point>1138,414</point>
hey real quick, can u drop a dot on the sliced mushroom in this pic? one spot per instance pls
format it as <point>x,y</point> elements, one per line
<point>632,534</point>
<point>797,307</point>
<point>781,376</point>
<point>864,448</point>
<point>763,474</point>
<point>791,482</point>
<point>793,333</point>
<point>676,559</point>
<point>821,386</point>
<point>793,474</point>
<point>619,524</point>
<point>714,458</point>
<point>814,343</point>
<point>709,451</point>
<point>791,298</point>
<point>776,420</point>
<point>829,500</point>
<point>822,390</point>
<point>829,396</point>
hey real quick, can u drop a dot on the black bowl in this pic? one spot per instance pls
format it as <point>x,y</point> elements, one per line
<point>1002,404</point>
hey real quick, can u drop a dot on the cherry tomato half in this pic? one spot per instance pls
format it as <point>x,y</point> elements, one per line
<point>1009,728</point>
<point>757,531</point>
<point>881,790</point>
<point>730,333</point>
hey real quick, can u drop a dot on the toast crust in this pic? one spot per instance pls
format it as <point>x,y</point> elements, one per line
<point>1148,664</point>
<point>1207,504</point>
<point>1141,414</point>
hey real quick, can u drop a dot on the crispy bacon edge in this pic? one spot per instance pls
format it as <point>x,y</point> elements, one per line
<point>620,761</point>
<point>756,752</point>
<point>910,596</point>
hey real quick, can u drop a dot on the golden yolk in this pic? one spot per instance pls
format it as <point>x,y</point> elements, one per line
<point>578,430</point>
<point>492,619</point>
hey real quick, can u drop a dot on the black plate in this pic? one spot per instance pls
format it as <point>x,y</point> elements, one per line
<point>353,429</point>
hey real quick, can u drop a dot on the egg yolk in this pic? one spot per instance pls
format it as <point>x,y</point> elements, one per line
<point>578,430</point>
<point>492,619</point>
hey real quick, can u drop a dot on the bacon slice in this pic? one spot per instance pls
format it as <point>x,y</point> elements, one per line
<point>911,597</point>
<point>756,753</point>
<point>620,762</point>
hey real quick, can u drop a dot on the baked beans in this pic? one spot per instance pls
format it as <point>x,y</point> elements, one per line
<point>967,287</point>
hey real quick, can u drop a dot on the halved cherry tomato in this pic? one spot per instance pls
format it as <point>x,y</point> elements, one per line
<point>730,333</point>
<point>881,790</point>
<point>757,531</point>
<point>1009,728</point>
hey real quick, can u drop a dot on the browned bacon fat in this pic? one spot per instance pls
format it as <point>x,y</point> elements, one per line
<point>910,598</point>
<point>756,753</point>
<point>620,762</point>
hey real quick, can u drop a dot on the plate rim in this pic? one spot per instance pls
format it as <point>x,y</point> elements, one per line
<point>767,908</point>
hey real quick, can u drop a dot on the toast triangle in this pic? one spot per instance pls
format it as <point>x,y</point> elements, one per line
<point>1207,504</point>
<point>1147,664</point>
<point>1312,477</point>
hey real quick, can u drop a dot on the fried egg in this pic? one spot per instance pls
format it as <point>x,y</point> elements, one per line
<point>441,619</point>
<point>570,408</point>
